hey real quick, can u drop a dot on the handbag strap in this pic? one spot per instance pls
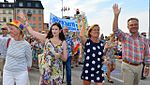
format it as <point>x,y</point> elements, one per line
<point>8,41</point>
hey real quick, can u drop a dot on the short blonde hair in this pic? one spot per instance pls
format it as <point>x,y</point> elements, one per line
<point>91,28</point>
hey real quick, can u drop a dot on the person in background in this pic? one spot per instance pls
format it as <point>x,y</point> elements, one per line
<point>109,54</point>
<point>4,30</point>
<point>118,49</point>
<point>102,38</point>
<point>142,74</point>
<point>92,68</point>
<point>67,64</point>
<point>36,50</point>
<point>18,56</point>
<point>76,51</point>
<point>135,49</point>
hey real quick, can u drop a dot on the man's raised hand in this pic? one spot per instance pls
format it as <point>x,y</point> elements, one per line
<point>116,9</point>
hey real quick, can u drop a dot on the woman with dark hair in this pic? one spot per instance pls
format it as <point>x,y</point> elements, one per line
<point>92,68</point>
<point>61,34</point>
<point>55,51</point>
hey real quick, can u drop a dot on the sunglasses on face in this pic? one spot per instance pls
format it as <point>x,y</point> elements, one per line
<point>4,28</point>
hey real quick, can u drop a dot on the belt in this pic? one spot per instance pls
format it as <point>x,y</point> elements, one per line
<point>131,63</point>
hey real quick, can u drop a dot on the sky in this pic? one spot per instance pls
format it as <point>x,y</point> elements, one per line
<point>100,12</point>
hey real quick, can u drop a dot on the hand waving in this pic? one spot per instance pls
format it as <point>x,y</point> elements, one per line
<point>116,9</point>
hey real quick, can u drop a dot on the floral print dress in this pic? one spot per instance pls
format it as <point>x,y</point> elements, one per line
<point>50,66</point>
<point>110,52</point>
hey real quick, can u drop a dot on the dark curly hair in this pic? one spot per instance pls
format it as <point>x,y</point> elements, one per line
<point>61,34</point>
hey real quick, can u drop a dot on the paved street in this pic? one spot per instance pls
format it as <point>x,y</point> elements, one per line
<point>76,72</point>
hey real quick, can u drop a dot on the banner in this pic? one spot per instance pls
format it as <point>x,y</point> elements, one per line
<point>71,24</point>
<point>78,17</point>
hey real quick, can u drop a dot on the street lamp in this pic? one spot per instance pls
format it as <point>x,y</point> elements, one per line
<point>14,8</point>
<point>62,8</point>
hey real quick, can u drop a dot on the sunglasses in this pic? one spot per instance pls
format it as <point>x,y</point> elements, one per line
<point>3,28</point>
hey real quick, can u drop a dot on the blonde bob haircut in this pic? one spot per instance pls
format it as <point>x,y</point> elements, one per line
<point>91,28</point>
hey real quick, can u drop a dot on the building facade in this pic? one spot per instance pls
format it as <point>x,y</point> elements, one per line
<point>32,9</point>
<point>6,12</point>
<point>46,28</point>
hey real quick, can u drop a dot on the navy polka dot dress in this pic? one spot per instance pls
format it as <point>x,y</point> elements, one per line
<point>92,69</point>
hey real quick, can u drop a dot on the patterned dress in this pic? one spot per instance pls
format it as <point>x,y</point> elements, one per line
<point>110,52</point>
<point>50,66</point>
<point>92,69</point>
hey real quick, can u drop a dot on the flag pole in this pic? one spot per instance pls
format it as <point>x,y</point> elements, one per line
<point>62,9</point>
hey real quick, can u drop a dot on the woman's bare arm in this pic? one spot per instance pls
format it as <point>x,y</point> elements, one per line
<point>82,32</point>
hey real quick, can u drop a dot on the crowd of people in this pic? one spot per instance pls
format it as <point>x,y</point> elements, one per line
<point>60,50</point>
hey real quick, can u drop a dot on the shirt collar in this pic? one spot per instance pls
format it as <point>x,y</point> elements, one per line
<point>135,35</point>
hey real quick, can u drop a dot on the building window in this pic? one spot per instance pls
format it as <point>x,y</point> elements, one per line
<point>29,11</point>
<point>9,12</point>
<point>37,5</point>
<point>24,11</point>
<point>18,10</point>
<point>40,26</point>
<point>34,18</point>
<point>34,26</point>
<point>21,4</point>
<point>34,12</point>
<point>4,5</point>
<point>4,19</point>
<point>9,5</point>
<point>40,12</point>
<point>28,4</point>
<point>4,11</point>
<point>40,18</point>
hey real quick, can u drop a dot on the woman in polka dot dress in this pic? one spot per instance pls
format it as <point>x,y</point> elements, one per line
<point>92,69</point>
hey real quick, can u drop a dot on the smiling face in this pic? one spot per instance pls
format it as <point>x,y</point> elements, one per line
<point>95,31</point>
<point>133,26</point>
<point>4,31</point>
<point>65,30</point>
<point>14,31</point>
<point>55,30</point>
